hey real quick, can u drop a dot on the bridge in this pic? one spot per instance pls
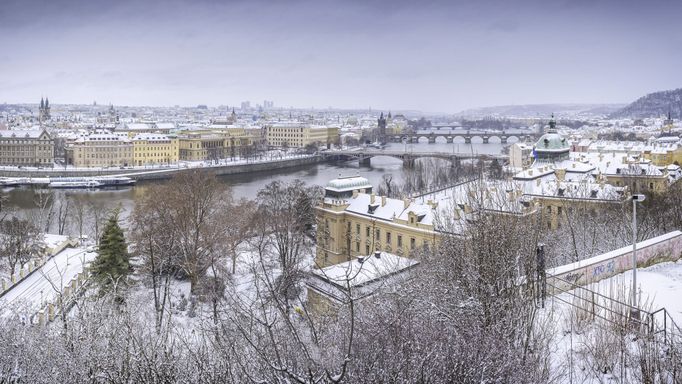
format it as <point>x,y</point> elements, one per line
<point>364,155</point>
<point>467,135</point>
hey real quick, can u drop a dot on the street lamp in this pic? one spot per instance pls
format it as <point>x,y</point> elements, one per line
<point>635,199</point>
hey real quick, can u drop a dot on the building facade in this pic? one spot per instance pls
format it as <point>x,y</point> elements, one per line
<point>213,145</point>
<point>34,148</point>
<point>100,150</point>
<point>297,135</point>
<point>155,149</point>
<point>353,222</point>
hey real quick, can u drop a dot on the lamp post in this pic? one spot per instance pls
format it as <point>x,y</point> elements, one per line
<point>635,199</point>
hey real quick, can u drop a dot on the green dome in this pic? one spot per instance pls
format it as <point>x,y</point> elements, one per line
<point>552,141</point>
<point>348,184</point>
<point>552,147</point>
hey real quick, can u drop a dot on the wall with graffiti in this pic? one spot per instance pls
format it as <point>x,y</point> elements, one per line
<point>666,247</point>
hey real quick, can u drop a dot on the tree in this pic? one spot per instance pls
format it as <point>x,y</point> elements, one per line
<point>20,241</point>
<point>285,219</point>
<point>495,170</point>
<point>112,264</point>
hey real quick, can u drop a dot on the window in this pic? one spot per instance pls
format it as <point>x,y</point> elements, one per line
<point>378,237</point>
<point>367,231</point>
<point>357,229</point>
<point>367,249</point>
<point>413,243</point>
<point>559,210</point>
<point>357,246</point>
<point>388,237</point>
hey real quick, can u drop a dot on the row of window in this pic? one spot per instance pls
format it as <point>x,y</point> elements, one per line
<point>24,160</point>
<point>389,238</point>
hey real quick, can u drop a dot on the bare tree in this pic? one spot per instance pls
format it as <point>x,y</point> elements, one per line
<point>20,241</point>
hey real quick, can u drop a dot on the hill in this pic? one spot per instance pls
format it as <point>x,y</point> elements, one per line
<point>543,110</point>
<point>653,105</point>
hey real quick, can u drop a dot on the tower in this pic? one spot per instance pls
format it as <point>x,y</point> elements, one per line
<point>44,110</point>
<point>381,124</point>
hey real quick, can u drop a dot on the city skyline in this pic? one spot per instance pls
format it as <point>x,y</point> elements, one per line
<point>432,57</point>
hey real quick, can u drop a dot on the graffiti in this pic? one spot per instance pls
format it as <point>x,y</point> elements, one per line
<point>609,267</point>
<point>574,277</point>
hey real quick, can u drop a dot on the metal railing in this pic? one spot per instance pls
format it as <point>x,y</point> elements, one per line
<point>616,312</point>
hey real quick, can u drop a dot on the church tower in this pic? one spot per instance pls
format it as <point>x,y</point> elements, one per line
<point>44,110</point>
<point>381,124</point>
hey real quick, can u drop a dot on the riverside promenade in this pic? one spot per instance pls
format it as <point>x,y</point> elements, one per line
<point>165,172</point>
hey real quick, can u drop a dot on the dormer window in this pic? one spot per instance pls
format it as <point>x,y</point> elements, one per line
<point>593,193</point>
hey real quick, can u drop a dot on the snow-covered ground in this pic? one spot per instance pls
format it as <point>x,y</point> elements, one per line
<point>45,284</point>
<point>586,346</point>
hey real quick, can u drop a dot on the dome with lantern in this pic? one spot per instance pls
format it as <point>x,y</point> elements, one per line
<point>551,147</point>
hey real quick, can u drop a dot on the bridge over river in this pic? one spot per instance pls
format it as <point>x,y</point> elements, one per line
<point>451,134</point>
<point>408,158</point>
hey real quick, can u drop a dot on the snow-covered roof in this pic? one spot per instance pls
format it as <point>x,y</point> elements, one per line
<point>364,274</point>
<point>29,134</point>
<point>344,184</point>
<point>151,137</point>
<point>138,126</point>
<point>365,269</point>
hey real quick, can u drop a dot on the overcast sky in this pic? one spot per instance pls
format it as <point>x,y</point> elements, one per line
<point>429,55</point>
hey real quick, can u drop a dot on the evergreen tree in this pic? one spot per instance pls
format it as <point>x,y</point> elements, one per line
<point>113,261</point>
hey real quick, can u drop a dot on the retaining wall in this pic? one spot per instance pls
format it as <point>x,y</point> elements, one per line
<point>163,173</point>
<point>666,247</point>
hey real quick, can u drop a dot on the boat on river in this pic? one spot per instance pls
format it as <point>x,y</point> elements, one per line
<point>90,182</point>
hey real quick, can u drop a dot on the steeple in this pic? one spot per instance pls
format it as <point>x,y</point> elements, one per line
<point>389,114</point>
<point>47,103</point>
<point>42,103</point>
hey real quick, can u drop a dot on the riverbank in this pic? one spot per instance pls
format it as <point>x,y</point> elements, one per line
<point>257,165</point>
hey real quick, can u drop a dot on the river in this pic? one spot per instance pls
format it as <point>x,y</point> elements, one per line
<point>23,201</point>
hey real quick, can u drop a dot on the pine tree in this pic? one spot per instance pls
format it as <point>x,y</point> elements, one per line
<point>113,261</point>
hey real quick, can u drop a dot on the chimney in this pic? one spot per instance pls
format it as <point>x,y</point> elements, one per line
<point>406,203</point>
<point>530,172</point>
<point>377,254</point>
<point>467,208</point>
<point>383,200</point>
<point>361,259</point>
<point>372,198</point>
<point>363,190</point>
<point>355,193</point>
<point>456,215</point>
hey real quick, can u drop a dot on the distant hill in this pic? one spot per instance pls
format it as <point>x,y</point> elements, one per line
<point>543,110</point>
<point>653,105</point>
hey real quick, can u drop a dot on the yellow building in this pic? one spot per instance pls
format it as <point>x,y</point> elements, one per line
<point>155,149</point>
<point>100,150</point>
<point>353,222</point>
<point>638,177</point>
<point>202,145</point>
<point>299,135</point>
<point>666,155</point>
